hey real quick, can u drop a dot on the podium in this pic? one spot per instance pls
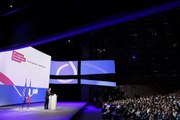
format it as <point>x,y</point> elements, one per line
<point>52,102</point>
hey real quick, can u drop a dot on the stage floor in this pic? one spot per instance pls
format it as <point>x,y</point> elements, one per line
<point>36,111</point>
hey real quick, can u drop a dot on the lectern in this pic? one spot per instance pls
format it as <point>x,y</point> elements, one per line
<point>52,102</point>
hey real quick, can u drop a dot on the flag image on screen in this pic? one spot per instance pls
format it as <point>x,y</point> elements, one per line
<point>23,72</point>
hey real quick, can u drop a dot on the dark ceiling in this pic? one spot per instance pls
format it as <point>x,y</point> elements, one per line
<point>26,21</point>
<point>145,49</point>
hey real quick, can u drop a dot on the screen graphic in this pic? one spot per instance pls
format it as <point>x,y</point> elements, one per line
<point>63,81</point>
<point>23,71</point>
<point>98,82</point>
<point>97,67</point>
<point>64,68</point>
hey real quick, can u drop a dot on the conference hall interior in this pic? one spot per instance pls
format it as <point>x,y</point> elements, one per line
<point>105,60</point>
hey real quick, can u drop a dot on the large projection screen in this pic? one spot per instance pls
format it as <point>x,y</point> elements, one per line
<point>63,81</point>
<point>27,70</point>
<point>90,67</point>
<point>98,82</point>
<point>60,68</point>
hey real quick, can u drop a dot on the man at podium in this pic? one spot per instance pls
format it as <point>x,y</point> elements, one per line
<point>48,93</point>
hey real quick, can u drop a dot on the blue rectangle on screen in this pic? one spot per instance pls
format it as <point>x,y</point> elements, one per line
<point>61,68</point>
<point>63,81</point>
<point>98,82</point>
<point>97,67</point>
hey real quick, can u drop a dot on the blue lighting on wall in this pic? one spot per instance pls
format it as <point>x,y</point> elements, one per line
<point>133,57</point>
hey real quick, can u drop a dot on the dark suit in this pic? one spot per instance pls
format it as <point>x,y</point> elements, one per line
<point>48,93</point>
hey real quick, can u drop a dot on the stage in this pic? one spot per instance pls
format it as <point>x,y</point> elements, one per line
<point>36,111</point>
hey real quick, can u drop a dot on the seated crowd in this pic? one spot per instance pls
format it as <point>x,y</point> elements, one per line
<point>159,107</point>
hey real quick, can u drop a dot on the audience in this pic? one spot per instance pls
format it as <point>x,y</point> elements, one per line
<point>159,107</point>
